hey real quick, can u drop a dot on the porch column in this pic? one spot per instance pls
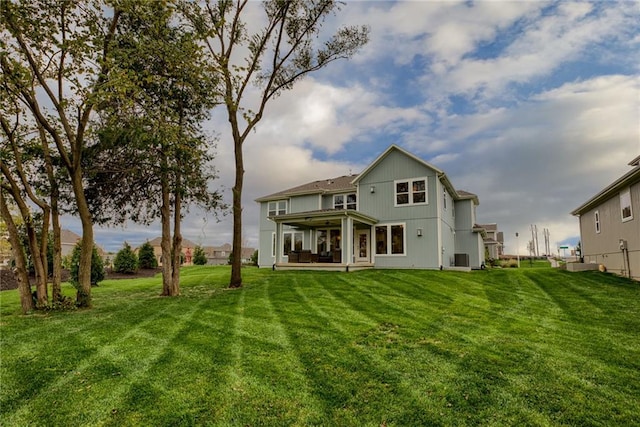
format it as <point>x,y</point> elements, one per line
<point>347,240</point>
<point>278,242</point>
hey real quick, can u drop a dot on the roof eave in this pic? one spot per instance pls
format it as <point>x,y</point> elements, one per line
<point>625,180</point>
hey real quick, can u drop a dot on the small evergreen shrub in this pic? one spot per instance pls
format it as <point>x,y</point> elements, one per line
<point>126,260</point>
<point>97,266</point>
<point>199,257</point>
<point>146,256</point>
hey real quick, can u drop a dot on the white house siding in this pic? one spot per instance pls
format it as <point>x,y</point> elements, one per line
<point>603,248</point>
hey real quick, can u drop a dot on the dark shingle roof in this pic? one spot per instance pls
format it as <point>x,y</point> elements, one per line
<point>331,185</point>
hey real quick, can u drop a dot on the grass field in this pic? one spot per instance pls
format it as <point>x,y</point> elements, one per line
<point>523,346</point>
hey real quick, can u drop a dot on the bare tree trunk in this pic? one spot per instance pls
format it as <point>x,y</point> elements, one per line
<point>83,296</point>
<point>36,258</point>
<point>177,244</point>
<point>26,301</point>
<point>56,274</point>
<point>165,218</point>
<point>236,263</point>
<point>56,277</point>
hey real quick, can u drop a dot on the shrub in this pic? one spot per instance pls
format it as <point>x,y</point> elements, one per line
<point>126,260</point>
<point>254,258</point>
<point>97,266</point>
<point>199,257</point>
<point>146,256</point>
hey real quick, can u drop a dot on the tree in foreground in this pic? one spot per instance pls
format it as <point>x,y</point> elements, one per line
<point>277,55</point>
<point>54,61</point>
<point>152,160</point>
<point>147,257</point>
<point>125,261</point>
<point>199,257</point>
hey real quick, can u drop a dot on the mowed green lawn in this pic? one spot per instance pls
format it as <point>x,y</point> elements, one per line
<point>534,346</point>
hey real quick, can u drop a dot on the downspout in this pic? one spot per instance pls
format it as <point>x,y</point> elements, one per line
<point>439,218</point>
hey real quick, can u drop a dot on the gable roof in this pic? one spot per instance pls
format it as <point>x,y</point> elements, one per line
<point>456,194</point>
<point>612,189</point>
<point>68,237</point>
<point>186,243</point>
<point>350,182</point>
<point>331,185</point>
<point>388,151</point>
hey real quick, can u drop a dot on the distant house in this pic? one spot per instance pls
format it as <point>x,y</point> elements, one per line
<point>219,255</point>
<point>610,225</point>
<point>400,212</point>
<point>493,240</point>
<point>69,239</point>
<point>187,249</point>
<point>216,255</point>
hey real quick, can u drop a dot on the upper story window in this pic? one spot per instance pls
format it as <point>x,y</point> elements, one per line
<point>344,201</point>
<point>277,208</point>
<point>444,198</point>
<point>625,205</point>
<point>596,218</point>
<point>411,192</point>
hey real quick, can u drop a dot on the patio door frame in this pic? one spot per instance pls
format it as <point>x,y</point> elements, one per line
<point>356,244</point>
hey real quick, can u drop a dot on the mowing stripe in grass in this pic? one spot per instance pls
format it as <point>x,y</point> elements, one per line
<point>347,358</point>
<point>113,364</point>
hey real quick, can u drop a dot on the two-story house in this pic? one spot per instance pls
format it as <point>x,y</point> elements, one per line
<point>493,241</point>
<point>400,212</point>
<point>610,227</point>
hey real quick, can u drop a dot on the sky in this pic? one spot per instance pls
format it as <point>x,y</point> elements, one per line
<point>534,106</point>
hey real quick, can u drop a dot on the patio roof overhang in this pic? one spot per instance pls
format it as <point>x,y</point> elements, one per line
<point>323,218</point>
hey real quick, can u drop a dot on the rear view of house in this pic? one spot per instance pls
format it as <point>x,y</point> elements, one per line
<point>400,212</point>
<point>610,227</point>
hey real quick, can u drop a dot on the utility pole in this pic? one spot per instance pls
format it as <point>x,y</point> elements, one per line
<point>547,247</point>
<point>518,249</point>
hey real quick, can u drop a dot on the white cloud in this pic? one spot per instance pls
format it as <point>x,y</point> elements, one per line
<point>543,46</point>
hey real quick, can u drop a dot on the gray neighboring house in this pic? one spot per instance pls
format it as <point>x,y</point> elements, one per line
<point>219,255</point>
<point>400,212</point>
<point>493,241</point>
<point>610,225</point>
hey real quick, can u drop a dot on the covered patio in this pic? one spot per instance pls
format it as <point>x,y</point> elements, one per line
<point>338,240</point>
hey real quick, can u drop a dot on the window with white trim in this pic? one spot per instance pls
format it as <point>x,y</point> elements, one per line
<point>444,198</point>
<point>625,205</point>
<point>273,244</point>
<point>277,208</point>
<point>596,218</point>
<point>390,239</point>
<point>411,192</point>
<point>344,201</point>
<point>292,241</point>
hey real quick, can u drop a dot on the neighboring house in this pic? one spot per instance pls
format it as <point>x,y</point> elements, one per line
<point>610,225</point>
<point>69,239</point>
<point>494,240</point>
<point>187,249</point>
<point>219,255</point>
<point>400,212</point>
<point>216,255</point>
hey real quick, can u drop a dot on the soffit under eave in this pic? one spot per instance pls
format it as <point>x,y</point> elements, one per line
<point>630,178</point>
<point>314,218</point>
